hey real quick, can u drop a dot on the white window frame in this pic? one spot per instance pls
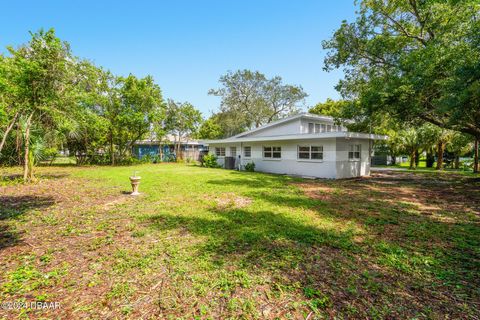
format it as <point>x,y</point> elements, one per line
<point>273,149</point>
<point>354,152</point>
<point>310,152</point>
<point>249,152</point>
<point>218,152</point>
<point>311,127</point>
<point>233,152</point>
<point>323,127</point>
<point>317,128</point>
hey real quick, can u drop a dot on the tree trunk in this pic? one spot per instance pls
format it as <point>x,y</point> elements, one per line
<point>179,151</point>
<point>440,150</point>
<point>393,160</point>
<point>413,159</point>
<point>475,157</point>
<point>18,145</point>
<point>457,162</point>
<point>112,151</point>
<point>417,158</point>
<point>9,127</point>
<point>27,175</point>
<point>430,159</point>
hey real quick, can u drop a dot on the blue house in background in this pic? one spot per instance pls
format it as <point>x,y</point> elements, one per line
<point>165,150</point>
<point>146,150</point>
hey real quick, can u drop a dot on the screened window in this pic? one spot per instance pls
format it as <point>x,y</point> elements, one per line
<point>272,152</point>
<point>247,152</point>
<point>323,128</point>
<point>303,152</point>
<point>354,152</point>
<point>310,152</point>
<point>233,151</point>
<point>311,127</point>
<point>329,128</point>
<point>317,127</point>
<point>316,152</point>
<point>220,151</point>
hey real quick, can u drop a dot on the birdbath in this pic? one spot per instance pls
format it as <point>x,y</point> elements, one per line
<point>135,181</point>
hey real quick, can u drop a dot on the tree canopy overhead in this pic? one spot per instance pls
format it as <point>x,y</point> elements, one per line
<point>413,60</point>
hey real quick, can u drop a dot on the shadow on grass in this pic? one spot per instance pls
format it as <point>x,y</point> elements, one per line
<point>14,206</point>
<point>407,236</point>
<point>295,253</point>
<point>19,177</point>
<point>238,231</point>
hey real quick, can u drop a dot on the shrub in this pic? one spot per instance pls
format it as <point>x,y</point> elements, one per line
<point>250,167</point>
<point>210,161</point>
<point>50,154</point>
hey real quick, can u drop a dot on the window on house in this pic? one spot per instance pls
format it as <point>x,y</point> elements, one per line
<point>303,152</point>
<point>354,152</point>
<point>317,127</point>
<point>247,152</point>
<point>310,127</point>
<point>272,152</point>
<point>310,152</point>
<point>220,151</point>
<point>323,128</point>
<point>316,152</point>
<point>233,151</point>
<point>329,128</point>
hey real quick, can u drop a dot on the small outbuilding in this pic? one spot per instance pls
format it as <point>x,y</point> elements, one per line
<point>306,145</point>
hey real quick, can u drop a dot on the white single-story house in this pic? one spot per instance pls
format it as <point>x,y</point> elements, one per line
<point>305,145</point>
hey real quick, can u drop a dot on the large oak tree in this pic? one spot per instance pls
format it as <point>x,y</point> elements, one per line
<point>252,100</point>
<point>412,60</point>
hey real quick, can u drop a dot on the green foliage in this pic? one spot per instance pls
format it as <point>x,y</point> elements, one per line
<point>411,60</point>
<point>53,95</point>
<point>211,129</point>
<point>182,119</point>
<point>250,167</point>
<point>330,108</point>
<point>50,154</point>
<point>182,122</point>
<point>130,106</point>
<point>252,100</point>
<point>210,161</point>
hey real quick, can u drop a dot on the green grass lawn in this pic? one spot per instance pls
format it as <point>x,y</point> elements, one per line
<point>211,243</point>
<point>422,167</point>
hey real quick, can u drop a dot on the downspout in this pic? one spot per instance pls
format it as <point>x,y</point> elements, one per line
<point>370,146</point>
<point>240,157</point>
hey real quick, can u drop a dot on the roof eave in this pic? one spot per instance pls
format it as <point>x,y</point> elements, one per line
<point>327,135</point>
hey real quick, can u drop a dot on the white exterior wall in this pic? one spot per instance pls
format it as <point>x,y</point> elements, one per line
<point>289,135</point>
<point>352,168</point>
<point>335,163</point>
<point>221,160</point>
<point>290,127</point>
<point>289,164</point>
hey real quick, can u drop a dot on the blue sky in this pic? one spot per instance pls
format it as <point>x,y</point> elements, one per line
<point>187,45</point>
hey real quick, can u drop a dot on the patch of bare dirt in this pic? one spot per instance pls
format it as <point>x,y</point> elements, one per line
<point>316,191</point>
<point>230,200</point>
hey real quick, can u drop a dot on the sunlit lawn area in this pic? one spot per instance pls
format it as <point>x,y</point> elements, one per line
<point>211,243</point>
